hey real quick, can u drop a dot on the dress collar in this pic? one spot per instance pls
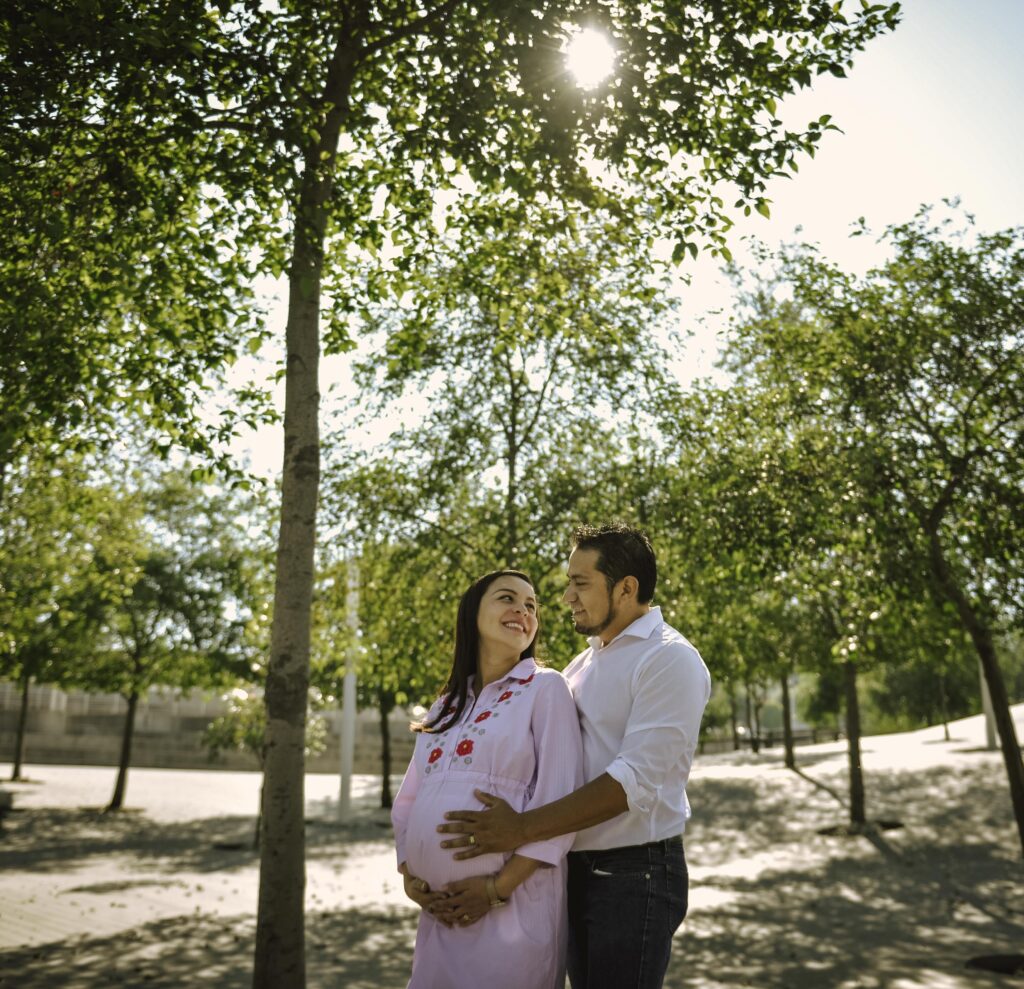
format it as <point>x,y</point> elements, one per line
<point>523,670</point>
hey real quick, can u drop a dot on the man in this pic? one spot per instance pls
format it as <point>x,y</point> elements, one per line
<point>640,689</point>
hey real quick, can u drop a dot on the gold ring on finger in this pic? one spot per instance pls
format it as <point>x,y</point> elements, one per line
<point>472,839</point>
<point>465,917</point>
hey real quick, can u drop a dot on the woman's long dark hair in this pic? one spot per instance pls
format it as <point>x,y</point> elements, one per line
<point>467,648</point>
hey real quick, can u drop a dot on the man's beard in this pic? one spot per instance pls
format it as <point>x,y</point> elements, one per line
<point>592,630</point>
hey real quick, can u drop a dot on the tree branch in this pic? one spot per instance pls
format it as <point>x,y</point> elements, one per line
<point>411,28</point>
<point>541,396</point>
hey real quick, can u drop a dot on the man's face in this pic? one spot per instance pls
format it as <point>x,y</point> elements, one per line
<point>588,594</point>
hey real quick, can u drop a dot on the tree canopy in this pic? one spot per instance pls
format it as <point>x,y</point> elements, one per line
<point>915,372</point>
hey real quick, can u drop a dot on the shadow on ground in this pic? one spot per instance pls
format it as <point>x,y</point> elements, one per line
<point>860,922</point>
<point>355,949</point>
<point>780,906</point>
<point>51,839</point>
<point>908,907</point>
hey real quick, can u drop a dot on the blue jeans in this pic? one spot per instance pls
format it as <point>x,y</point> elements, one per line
<point>624,906</point>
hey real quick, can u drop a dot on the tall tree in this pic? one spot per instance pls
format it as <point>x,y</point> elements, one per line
<point>920,363</point>
<point>530,324</point>
<point>294,121</point>
<point>766,516</point>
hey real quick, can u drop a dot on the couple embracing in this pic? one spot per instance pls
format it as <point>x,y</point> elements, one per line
<point>576,859</point>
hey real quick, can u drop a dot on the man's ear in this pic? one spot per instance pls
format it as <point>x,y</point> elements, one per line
<point>630,587</point>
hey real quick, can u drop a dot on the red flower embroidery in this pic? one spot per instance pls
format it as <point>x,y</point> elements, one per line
<point>529,678</point>
<point>464,747</point>
<point>481,717</point>
<point>434,756</point>
<point>505,696</point>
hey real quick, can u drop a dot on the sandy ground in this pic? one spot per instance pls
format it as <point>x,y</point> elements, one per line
<point>164,894</point>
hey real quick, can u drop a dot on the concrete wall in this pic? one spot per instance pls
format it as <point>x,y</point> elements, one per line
<point>76,728</point>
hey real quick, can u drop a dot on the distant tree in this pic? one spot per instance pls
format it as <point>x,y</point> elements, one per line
<point>787,564</point>
<point>180,608</point>
<point>55,524</point>
<point>243,728</point>
<point>402,660</point>
<point>930,673</point>
<point>919,367</point>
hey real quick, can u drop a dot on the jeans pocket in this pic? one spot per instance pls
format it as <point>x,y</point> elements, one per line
<point>621,867</point>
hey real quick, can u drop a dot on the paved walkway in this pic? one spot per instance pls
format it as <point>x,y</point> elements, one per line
<point>183,846</point>
<point>164,894</point>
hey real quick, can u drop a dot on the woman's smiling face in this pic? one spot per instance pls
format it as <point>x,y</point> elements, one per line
<point>507,619</point>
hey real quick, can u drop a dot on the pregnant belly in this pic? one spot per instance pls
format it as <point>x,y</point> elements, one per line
<point>424,854</point>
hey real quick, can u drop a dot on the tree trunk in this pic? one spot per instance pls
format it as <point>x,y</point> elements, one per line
<point>117,800</point>
<point>984,645</point>
<point>754,741</point>
<point>385,707</point>
<point>279,958</point>
<point>512,515</point>
<point>512,464</point>
<point>732,719</point>
<point>280,926</point>
<point>857,814</point>
<point>787,725</point>
<point>944,703</point>
<point>19,738</point>
<point>986,709</point>
<point>257,831</point>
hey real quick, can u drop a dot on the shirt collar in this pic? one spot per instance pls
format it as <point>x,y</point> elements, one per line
<point>643,628</point>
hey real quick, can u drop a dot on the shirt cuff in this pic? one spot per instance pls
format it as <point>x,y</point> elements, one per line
<point>638,797</point>
<point>550,852</point>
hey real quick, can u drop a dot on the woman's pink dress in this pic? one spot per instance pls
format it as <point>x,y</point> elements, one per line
<point>520,740</point>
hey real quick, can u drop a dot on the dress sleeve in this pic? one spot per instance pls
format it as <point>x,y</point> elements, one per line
<point>558,749</point>
<point>401,807</point>
<point>661,735</point>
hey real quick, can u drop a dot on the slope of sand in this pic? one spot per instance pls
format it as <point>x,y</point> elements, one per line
<point>157,896</point>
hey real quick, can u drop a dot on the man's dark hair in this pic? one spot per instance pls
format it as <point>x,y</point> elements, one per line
<point>622,551</point>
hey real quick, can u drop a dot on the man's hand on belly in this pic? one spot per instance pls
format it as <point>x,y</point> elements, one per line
<point>497,829</point>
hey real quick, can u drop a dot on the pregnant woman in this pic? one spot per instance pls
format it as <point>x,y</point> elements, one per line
<point>505,725</point>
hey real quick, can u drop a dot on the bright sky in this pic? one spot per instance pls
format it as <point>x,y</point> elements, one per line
<point>928,112</point>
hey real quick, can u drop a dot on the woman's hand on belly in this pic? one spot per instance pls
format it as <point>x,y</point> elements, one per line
<point>434,902</point>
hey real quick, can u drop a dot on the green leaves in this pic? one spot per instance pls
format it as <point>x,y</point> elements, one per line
<point>529,319</point>
<point>892,404</point>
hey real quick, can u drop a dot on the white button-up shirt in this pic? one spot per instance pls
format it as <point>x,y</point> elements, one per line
<point>640,700</point>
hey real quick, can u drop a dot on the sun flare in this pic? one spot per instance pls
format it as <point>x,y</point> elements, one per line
<point>590,57</point>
